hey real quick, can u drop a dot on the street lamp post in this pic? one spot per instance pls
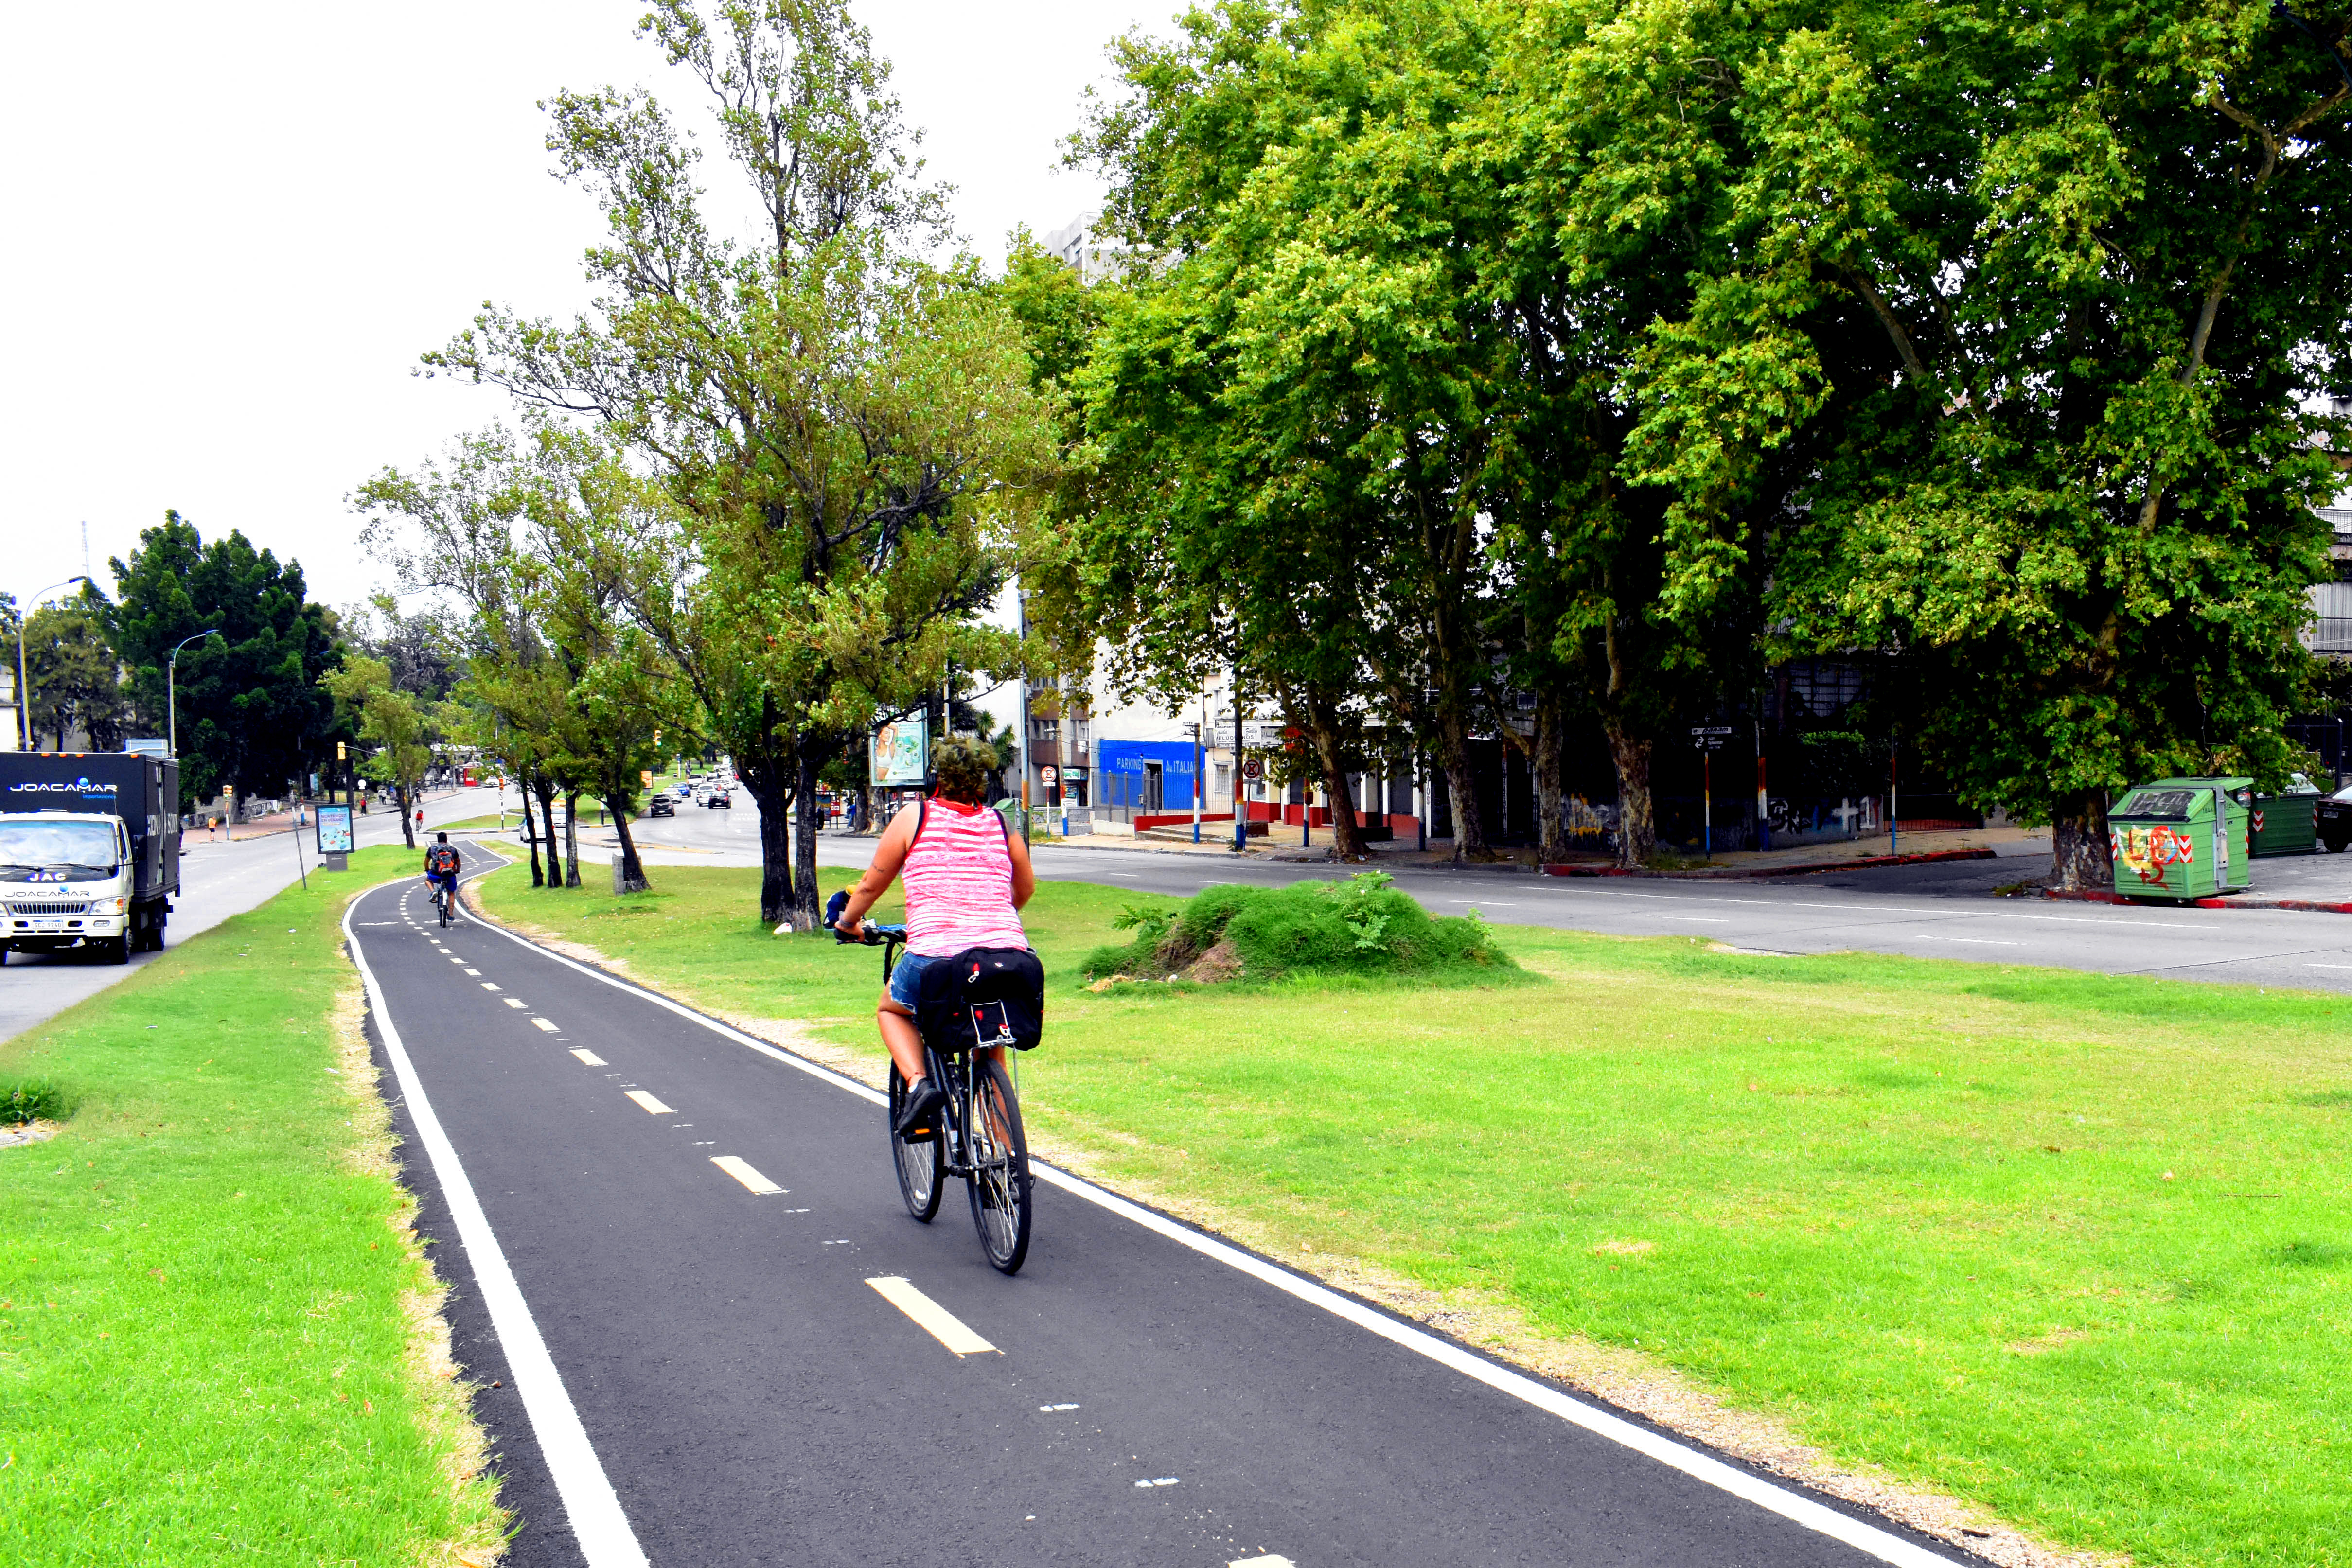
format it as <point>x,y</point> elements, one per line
<point>171,691</point>
<point>24,684</point>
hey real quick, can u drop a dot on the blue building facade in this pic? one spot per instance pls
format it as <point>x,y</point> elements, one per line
<point>1145,775</point>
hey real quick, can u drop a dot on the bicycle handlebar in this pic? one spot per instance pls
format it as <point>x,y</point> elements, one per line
<point>872,936</point>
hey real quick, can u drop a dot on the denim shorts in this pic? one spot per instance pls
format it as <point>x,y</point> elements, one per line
<point>907,978</point>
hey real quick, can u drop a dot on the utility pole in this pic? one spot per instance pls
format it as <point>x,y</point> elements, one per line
<point>1241,828</point>
<point>172,693</point>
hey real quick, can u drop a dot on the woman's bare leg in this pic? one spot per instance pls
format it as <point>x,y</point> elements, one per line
<point>906,1046</point>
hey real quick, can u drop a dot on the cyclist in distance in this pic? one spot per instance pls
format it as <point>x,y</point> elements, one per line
<point>967,877</point>
<point>441,863</point>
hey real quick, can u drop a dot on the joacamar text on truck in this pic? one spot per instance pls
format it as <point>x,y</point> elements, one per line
<point>89,852</point>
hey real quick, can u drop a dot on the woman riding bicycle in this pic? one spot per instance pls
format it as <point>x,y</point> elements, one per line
<point>966,876</point>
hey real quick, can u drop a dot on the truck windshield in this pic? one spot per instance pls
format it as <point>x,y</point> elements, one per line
<point>37,851</point>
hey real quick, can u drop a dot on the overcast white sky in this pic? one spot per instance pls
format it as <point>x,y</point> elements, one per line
<point>231,233</point>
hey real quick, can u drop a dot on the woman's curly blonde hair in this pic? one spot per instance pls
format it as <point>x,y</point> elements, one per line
<point>961,765</point>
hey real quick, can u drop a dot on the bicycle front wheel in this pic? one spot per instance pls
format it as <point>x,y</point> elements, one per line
<point>918,1165</point>
<point>999,1183</point>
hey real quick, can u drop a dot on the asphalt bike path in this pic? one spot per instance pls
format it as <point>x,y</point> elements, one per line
<point>719,1338</point>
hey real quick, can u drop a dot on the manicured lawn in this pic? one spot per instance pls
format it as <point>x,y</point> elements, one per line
<point>206,1287</point>
<point>2078,1248</point>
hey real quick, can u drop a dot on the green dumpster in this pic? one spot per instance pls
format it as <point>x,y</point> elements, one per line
<point>2282,824</point>
<point>2182,838</point>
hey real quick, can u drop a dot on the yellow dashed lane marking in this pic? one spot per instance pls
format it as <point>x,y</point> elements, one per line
<point>743,1173</point>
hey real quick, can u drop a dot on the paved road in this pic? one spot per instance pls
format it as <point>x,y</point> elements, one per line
<point>1942,910</point>
<point>217,878</point>
<point>692,1370</point>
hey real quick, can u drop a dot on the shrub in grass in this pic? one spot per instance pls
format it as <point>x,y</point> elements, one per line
<point>33,1099</point>
<point>1360,927</point>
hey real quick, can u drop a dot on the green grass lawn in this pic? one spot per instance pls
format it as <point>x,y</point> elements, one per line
<point>2076,1249</point>
<point>208,1297</point>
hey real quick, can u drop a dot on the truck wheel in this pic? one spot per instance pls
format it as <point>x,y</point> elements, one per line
<point>2336,846</point>
<point>115,952</point>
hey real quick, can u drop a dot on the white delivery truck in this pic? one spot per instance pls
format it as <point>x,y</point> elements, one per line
<point>89,852</point>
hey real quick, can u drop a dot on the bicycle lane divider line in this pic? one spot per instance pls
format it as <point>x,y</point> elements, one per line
<point>591,1506</point>
<point>740,1169</point>
<point>651,1105</point>
<point>1676,1455</point>
<point>932,1318</point>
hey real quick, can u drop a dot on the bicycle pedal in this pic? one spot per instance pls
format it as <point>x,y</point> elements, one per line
<point>924,1135</point>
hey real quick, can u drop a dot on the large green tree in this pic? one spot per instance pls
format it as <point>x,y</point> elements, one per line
<point>2043,293</point>
<point>1297,409</point>
<point>848,432</point>
<point>251,711</point>
<point>77,680</point>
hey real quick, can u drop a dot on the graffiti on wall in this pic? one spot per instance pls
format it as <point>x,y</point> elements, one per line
<point>2148,852</point>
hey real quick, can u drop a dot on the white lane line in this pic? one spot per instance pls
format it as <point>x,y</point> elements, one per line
<point>650,1103</point>
<point>1268,1562</point>
<point>936,1320</point>
<point>1498,903</point>
<point>742,1171</point>
<point>513,1001</point>
<point>487,985</point>
<point>590,1056</point>
<point>469,971</point>
<point>1705,1468</point>
<point>1049,1409</point>
<point>1161,1481</point>
<point>594,1513</point>
<point>550,1026</point>
<point>2328,966</point>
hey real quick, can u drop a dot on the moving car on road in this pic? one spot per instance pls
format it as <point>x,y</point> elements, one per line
<point>718,797</point>
<point>661,805</point>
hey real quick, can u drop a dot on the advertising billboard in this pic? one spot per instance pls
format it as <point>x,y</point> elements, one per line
<point>334,830</point>
<point>901,752</point>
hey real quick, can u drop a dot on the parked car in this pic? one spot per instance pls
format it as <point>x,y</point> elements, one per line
<point>2331,820</point>
<point>661,806</point>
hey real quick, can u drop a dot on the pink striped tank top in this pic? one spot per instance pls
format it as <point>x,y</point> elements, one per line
<point>959,879</point>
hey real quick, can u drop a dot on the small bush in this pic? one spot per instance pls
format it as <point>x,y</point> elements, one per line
<point>1362,927</point>
<point>33,1099</point>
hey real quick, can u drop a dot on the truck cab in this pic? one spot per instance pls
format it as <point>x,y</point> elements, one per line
<point>90,851</point>
<point>66,880</point>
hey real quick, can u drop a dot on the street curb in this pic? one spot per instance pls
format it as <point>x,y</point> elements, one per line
<point>2099,895</point>
<point>1868,862</point>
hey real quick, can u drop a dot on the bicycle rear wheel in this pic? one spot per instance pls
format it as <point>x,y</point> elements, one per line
<point>918,1164</point>
<point>999,1183</point>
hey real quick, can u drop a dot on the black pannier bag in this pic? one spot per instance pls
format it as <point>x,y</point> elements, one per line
<point>983,997</point>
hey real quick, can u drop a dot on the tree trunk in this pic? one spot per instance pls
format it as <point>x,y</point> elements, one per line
<point>1454,756</point>
<point>531,834</point>
<point>764,776</point>
<point>633,870</point>
<point>407,816</point>
<point>546,790</point>
<point>2081,858</point>
<point>808,903</point>
<point>1637,824</point>
<point>1347,834</point>
<point>1551,831</point>
<point>572,838</point>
